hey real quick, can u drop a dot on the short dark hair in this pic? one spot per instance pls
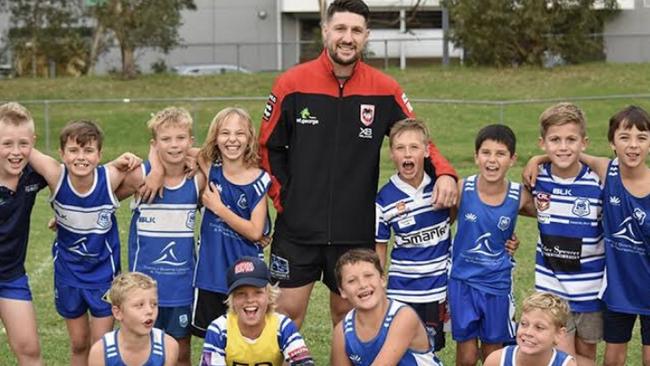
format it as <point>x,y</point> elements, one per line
<point>628,117</point>
<point>499,133</point>
<point>352,6</point>
<point>83,132</point>
<point>354,256</point>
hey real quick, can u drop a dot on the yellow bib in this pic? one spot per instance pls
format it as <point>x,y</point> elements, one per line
<point>263,351</point>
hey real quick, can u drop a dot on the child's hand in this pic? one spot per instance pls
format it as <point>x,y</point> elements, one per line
<point>512,244</point>
<point>127,162</point>
<point>52,224</point>
<point>191,166</point>
<point>265,241</point>
<point>529,175</point>
<point>212,199</point>
<point>445,192</point>
<point>152,186</point>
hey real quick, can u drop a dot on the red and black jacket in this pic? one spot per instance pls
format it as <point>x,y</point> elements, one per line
<point>321,143</point>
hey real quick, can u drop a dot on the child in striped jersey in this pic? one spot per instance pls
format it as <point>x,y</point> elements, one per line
<point>626,204</point>
<point>134,300</point>
<point>570,257</point>
<point>252,332</point>
<point>480,281</point>
<point>417,274</point>
<point>541,327</point>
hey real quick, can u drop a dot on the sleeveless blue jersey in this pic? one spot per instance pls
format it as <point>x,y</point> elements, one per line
<point>220,246</point>
<point>420,255</point>
<point>479,256</point>
<point>161,240</point>
<point>509,357</point>
<point>364,353</point>
<point>112,355</point>
<point>626,287</point>
<point>86,250</point>
<point>570,260</point>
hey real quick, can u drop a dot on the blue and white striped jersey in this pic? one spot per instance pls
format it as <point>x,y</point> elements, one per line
<point>479,256</point>
<point>86,250</point>
<point>112,350</point>
<point>570,259</point>
<point>161,240</point>
<point>420,256</point>
<point>627,247</point>
<point>363,353</point>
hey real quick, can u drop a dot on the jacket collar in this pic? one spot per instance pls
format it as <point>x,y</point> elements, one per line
<point>326,63</point>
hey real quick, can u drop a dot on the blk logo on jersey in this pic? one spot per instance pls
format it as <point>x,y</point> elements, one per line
<point>367,114</point>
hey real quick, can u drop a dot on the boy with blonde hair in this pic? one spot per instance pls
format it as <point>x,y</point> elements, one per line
<point>161,237</point>
<point>19,185</point>
<point>86,250</point>
<point>541,328</point>
<point>134,300</point>
<point>570,259</point>
<point>419,260</point>
<point>251,332</point>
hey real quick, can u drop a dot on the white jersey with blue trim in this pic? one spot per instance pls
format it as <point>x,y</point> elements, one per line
<point>363,353</point>
<point>627,247</point>
<point>479,256</point>
<point>509,357</point>
<point>161,240</point>
<point>570,260</point>
<point>86,250</point>
<point>112,355</point>
<point>219,245</point>
<point>420,256</point>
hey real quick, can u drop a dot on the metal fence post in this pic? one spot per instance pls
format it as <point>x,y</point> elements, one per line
<point>238,65</point>
<point>385,53</point>
<point>46,120</point>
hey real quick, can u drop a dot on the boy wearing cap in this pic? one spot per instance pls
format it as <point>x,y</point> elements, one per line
<point>252,332</point>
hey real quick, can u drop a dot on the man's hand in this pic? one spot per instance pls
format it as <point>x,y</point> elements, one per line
<point>445,192</point>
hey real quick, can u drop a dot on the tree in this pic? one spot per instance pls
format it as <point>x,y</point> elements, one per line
<point>42,32</point>
<point>140,23</point>
<point>516,32</point>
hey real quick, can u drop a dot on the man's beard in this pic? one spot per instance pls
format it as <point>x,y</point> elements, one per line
<point>338,60</point>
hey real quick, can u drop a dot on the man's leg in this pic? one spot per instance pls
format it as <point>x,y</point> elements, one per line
<point>20,322</point>
<point>293,302</point>
<point>338,308</point>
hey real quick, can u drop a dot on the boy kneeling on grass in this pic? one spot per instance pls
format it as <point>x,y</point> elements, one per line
<point>134,299</point>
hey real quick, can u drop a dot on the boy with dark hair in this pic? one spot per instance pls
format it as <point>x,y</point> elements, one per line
<point>480,283</point>
<point>87,246</point>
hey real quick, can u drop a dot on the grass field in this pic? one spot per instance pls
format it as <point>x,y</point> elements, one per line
<point>453,127</point>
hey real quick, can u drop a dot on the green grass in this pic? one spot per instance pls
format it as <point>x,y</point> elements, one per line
<point>452,125</point>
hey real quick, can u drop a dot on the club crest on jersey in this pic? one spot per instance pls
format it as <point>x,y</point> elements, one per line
<point>639,215</point>
<point>104,219</point>
<point>542,201</point>
<point>367,114</point>
<point>504,223</point>
<point>191,219</point>
<point>279,267</point>
<point>581,207</point>
<point>183,320</point>
<point>242,202</point>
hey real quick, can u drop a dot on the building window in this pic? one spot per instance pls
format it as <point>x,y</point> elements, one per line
<point>414,20</point>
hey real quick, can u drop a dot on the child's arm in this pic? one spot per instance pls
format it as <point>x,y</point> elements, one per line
<point>120,167</point>
<point>338,356</point>
<point>529,175</point>
<point>251,229</point>
<point>130,184</point>
<point>401,334</point>
<point>171,351</point>
<point>96,354</point>
<point>47,167</point>
<point>597,164</point>
<point>527,204</point>
<point>152,184</point>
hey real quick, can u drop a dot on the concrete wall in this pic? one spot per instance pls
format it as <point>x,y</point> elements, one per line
<point>628,34</point>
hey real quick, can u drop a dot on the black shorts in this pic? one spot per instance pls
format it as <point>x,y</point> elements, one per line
<point>207,307</point>
<point>618,327</point>
<point>295,265</point>
<point>433,315</point>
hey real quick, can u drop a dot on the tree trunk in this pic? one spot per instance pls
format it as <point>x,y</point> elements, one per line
<point>94,48</point>
<point>128,62</point>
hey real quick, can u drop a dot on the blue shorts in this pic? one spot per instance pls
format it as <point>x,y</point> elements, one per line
<point>478,314</point>
<point>175,320</point>
<point>73,302</point>
<point>617,327</point>
<point>17,289</point>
